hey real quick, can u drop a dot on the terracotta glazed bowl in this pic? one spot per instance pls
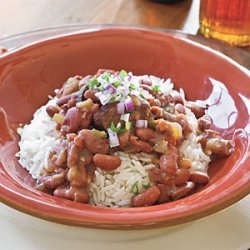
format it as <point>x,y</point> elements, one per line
<point>29,74</point>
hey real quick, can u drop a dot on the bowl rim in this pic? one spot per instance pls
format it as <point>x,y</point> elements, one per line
<point>119,216</point>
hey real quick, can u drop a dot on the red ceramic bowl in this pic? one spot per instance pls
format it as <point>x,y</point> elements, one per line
<point>29,74</point>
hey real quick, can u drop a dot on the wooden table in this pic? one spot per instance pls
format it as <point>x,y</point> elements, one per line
<point>25,15</point>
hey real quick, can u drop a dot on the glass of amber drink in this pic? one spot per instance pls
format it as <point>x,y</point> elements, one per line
<point>226,20</point>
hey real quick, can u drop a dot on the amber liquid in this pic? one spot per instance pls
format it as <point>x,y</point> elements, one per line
<point>226,20</point>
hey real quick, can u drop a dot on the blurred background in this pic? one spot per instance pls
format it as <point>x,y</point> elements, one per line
<point>24,15</point>
<point>216,18</point>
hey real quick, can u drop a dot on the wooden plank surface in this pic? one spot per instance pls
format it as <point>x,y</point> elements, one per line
<point>19,16</point>
<point>24,15</point>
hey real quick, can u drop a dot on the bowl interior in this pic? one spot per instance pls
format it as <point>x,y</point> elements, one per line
<point>28,75</point>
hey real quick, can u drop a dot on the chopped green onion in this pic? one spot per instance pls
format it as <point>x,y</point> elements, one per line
<point>132,86</point>
<point>146,186</point>
<point>116,128</point>
<point>134,188</point>
<point>156,88</point>
<point>117,84</point>
<point>101,88</point>
<point>122,74</point>
<point>93,83</point>
<point>106,76</point>
<point>113,99</point>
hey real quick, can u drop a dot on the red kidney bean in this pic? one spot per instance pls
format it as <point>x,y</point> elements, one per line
<point>146,82</point>
<point>69,87</point>
<point>86,157</point>
<point>198,111</point>
<point>219,146</point>
<point>169,117</point>
<point>50,182</point>
<point>157,111</point>
<point>148,88</point>
<point>168,161</point>
<point>164,193</point>
<point>186,129</point>
<point>146,134</point>
<point>155,102</point>
<point>90,170</point>
<point>106,162</point>
<point>123,139</point>
<point>87,116</point>
<point>182,191</point>
<point>180,108</point>
<point>204,122</point>
<point>90,94</point>
<point>79,142</point>
<point>181,176</point>
<point>81,195</point>
<point>208,134</point>
<point>176,98</point>
<point>199,177</point>
<point>61,158</point>
<point>72,120</point>
<point>140,145</point>
<point>101,71</point>
<point>135,115</point>
<point>77,176</point>
<point>72,193</point>
<point>94,141</point>
<point>73,156</point>
<point>147,198</point>
<point>64,99</point>
<point>159,176</point>
<point>71,103</point>
<point>51,110</point>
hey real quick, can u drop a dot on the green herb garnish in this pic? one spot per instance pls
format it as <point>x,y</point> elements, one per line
<point>117,128</point>
<point>132,86</point>
<point>146,186</point>
<point>106,76</point>
<point>134,188</point>
<point>93,83</point>
<point>156,88</point>
<point>101,88</point>
<point>122,74</point>
<point>117,84</point>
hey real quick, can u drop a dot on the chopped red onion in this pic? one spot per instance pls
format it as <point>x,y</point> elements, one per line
<point>98,94</point>
<point>113,139</point>
<point>135,93</point>
<point>125,117</point>
<point>123,90</point>
<point>104,98</point>
<point>145,93</point>
<point>128,78</point>
<point>120,108</point>
<point>129,105</point>
<point>110,88</point>
<point>141,124</point>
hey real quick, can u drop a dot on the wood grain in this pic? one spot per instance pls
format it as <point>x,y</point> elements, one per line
<point>25,15</point>
<point>19,16</point>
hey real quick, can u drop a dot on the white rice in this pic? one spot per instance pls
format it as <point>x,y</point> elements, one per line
<point>115,189</point>
<point>37,140</point>
<point>107,189</point>
<point>192,149</point>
